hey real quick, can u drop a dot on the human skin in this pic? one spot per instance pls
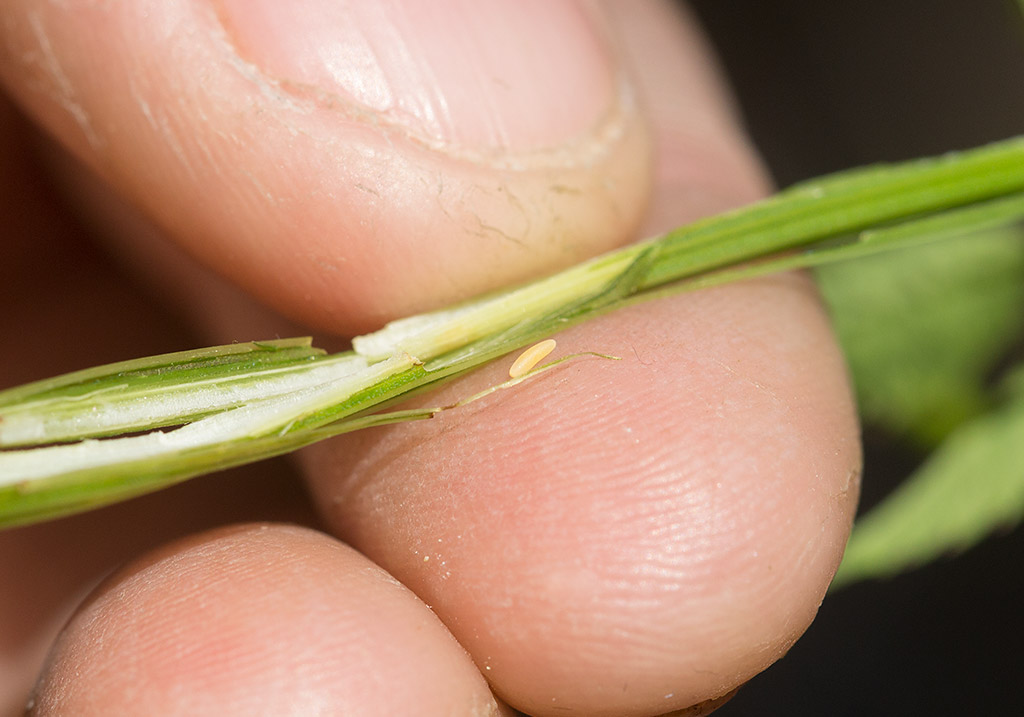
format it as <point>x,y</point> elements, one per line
<point>613,538</point>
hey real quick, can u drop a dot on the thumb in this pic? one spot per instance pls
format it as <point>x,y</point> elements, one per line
<point>346,162</point>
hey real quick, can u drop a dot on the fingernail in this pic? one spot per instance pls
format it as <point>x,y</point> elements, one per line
<point>493,75</point>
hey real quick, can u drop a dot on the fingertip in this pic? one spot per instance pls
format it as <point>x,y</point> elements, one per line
<point>257,620</point>
<point>672,519</point>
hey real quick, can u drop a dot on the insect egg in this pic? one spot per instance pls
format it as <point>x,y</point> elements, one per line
<point>530,358</point>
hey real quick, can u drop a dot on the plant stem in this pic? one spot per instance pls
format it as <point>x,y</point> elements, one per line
<point>242,403</point>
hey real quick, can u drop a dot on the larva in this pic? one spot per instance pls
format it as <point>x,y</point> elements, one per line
<point>530,358</point>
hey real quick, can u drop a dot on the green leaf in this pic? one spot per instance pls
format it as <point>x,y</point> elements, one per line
<point>973,484</point>
<point>837,205</point>
<point>165,390</point>
<point>182,366</point>
<point>922,328</point>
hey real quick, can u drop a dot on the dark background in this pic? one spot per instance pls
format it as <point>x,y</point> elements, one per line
<point>826,85</point>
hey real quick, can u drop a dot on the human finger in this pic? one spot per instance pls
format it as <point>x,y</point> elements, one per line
<point>636,536</point>
<point>347,163</point>
<point>258,619</point>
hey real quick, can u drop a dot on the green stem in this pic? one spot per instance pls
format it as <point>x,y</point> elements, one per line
<point>243,403</point>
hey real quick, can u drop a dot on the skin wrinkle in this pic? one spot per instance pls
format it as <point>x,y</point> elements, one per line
<point>60,87</point>
<point>614,489</point>
<point>584,151</point>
